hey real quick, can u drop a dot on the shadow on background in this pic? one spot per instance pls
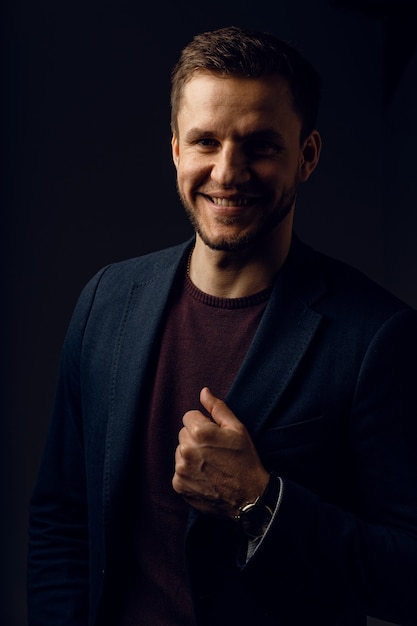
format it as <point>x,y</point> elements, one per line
<point>88,178</point>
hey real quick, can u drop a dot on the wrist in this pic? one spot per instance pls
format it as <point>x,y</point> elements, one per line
<point>254,517</point>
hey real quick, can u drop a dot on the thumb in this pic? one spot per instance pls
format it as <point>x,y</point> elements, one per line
<point>218,410</point>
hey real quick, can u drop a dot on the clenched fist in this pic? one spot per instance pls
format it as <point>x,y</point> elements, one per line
<point>217,467</point>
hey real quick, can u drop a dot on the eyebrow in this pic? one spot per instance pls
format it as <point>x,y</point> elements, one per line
<point>266,134</point>
<point>196,133</point>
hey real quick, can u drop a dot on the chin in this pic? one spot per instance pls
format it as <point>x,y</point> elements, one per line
<point>227,244</point>
<point>230,242</point>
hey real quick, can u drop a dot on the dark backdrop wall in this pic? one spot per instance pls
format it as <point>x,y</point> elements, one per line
<point>88,177</point>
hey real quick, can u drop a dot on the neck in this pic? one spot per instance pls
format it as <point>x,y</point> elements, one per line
<point>240,273</point>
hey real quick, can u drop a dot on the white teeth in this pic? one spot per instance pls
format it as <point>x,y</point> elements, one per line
<point>229,203</point>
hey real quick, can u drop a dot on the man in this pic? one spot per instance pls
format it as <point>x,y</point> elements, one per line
<point>234,435</point>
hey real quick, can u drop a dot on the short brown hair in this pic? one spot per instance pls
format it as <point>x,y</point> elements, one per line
<point>235,51</point>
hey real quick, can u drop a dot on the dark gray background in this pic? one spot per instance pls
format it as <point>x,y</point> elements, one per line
<point>88,177</point>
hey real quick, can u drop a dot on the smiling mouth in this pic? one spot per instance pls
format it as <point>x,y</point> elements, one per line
<point>229,202</point>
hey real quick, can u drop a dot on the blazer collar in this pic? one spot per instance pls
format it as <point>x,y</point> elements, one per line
<point>135,343</point>
<point>284,334</point>
<point>282,339</point>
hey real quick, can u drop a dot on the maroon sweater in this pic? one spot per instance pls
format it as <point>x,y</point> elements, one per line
<point>204,341</point>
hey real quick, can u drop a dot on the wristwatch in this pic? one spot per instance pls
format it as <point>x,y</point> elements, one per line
<point>255,517</point>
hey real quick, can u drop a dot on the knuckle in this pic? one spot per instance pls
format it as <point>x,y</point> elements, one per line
<point>202,432</point>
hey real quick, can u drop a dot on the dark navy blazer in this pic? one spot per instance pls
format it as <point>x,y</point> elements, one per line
<point>328,393</point>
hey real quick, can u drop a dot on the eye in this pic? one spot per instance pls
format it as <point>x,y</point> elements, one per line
<point>206,142</point>
<point>262,148</point>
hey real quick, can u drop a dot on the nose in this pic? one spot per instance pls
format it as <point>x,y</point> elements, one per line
<point>230,167</point>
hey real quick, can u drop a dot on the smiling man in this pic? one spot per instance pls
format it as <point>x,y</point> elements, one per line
<point>233,439</point>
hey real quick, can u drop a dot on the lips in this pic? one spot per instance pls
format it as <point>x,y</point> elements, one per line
<point>229,202</point>
<point>224,200</point>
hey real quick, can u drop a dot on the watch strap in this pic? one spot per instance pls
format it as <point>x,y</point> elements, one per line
<point>255,517</point>
<point>271,494</point>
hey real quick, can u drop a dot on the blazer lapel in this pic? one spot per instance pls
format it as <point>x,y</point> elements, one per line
<point>283,337</point>
<point>138,332</point>
<point>286,330</point>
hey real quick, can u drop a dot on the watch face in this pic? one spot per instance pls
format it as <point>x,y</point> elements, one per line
<point>254,519</point>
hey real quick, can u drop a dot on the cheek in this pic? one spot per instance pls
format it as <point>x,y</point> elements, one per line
<point>281,178</point>
<point>191,173</point>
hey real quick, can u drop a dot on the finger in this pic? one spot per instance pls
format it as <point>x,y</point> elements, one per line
<point>194,417</point>
<point>183,436</point>
<point>218,409</point>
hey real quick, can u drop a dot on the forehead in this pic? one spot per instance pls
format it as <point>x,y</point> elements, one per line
<point>215,99</point>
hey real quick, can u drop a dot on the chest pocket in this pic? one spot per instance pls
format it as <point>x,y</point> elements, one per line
<point>300,442</point>
<point>312,452</point>
<point>294,435</point>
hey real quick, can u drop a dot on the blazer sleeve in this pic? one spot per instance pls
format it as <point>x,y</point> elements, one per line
<point>365,558</point>
<point>58,558</point>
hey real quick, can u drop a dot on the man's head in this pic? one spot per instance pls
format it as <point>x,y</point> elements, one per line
<point>236,52</point>
<point>243,137</point>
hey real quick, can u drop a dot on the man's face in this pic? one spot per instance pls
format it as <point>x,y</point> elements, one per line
<point>238,157</point>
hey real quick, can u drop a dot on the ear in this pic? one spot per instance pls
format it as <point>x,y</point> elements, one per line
<point>309,155</point>
<point>175,149</point>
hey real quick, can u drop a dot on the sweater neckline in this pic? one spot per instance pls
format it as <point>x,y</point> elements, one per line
<point>226,303</point>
